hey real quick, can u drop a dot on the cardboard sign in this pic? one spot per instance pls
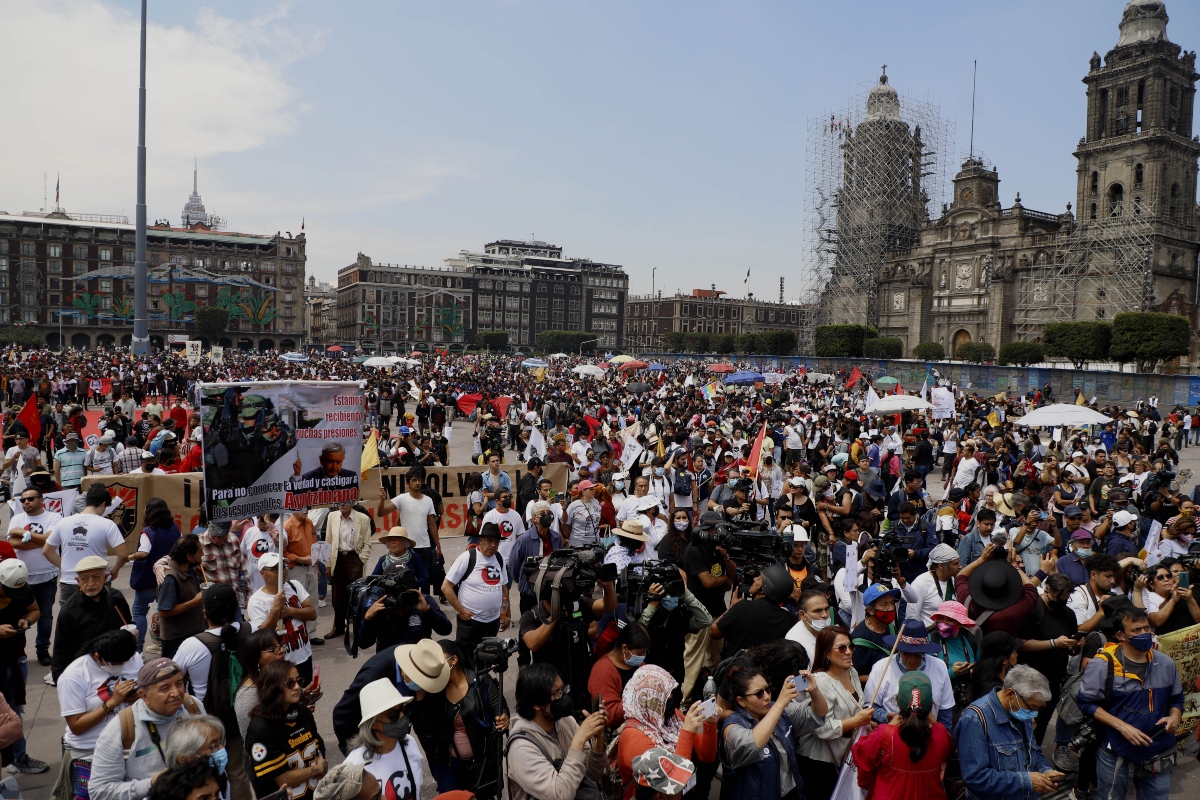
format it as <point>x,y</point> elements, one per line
<point>1183,646</point>
<point>184,495</point>
<point>216,354</point>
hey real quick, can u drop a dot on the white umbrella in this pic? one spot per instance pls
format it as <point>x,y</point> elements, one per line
<point>589,369</point>
<point>1060,414</point>
<point>296,358</point>
<point>560,355</point>
<point>378,361</point>
<point>897,403</point>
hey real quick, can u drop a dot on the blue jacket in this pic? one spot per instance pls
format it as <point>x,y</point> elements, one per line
<point>1130,702</point>
<point>970,546</point>
<point>528,544</point>
<point>760,780</point>
<point>922,539</point>
<point>416,564</point>
<point>997,752</point>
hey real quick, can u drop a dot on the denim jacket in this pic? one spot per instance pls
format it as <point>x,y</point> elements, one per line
<point>997,752</point>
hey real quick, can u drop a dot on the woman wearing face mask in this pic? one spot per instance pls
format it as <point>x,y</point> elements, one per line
<point>260,648</point>
<point>653,524</point>
<point>616,489</point>
<point>999,655</point>
<point>282,730</point>
<point>820,752</point>
<point>612,671</point>
<point>550,755</point>
<point>1177,534</point>
<point>679,535</point>
<point>956,648</point>
<point>384,745</point>
<point>630,546</point>
<point>653,719</point>
<point>200,739</point>
<point>455,726</point>
<point>90,693</point>
<point>197,780</point>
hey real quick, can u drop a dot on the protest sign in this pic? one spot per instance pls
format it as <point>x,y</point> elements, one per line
<point>451,483</point>
<point>279,446</point>
<point>1183,646</point>
<point>183,493</point>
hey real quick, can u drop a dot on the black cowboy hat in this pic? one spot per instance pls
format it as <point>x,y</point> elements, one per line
<point>994,585</point>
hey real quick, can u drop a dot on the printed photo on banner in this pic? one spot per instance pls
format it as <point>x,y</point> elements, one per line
<point>278,446</point>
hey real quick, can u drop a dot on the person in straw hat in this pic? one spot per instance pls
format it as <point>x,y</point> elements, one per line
<point>383,745</point>
<point>630,547</point>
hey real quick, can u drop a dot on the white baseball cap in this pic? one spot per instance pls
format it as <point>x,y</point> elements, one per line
<point>13,573</point>
<point>1120,519</point>
<point>268,560</point>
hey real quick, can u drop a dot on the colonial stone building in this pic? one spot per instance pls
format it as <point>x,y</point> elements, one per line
<point>981,272</point>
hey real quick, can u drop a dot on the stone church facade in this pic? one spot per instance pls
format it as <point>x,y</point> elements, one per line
<point>981,272</point>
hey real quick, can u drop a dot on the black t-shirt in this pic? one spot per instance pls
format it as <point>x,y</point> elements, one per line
<point>1046,622</point>
<point>698,559</point>
<point>276,746</point>
<point>865,655</point>
<point>751,623</point>
<point>569,646</point>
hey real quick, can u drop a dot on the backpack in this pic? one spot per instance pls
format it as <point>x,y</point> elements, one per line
<point>129,728</point>
<point>473,553</point>
<point>682,482</point>
<point>225,673</point>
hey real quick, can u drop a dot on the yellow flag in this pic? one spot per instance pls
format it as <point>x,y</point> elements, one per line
<point>540,374</point>
<point>994,419</point>
<point>1081,400</point>
<point>370,456</point>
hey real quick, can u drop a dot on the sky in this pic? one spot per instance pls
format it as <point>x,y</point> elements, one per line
<point>667,137</point>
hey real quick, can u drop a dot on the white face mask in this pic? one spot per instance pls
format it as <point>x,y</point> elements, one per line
<point>113,669</point>
<point>819,624</point>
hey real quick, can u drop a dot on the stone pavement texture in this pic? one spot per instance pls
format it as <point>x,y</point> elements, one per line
<point>44,725</point>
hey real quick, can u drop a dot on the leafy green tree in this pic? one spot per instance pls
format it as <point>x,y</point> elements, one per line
<point>1078,342</point>
<point>883,347</point>
<point>674,341</point>
<point>723,343</point>
<point>495,340</point>
<point>1022,354</point>
<point>778,342</point>
<point>211,322</point>
<point>21,336</point>
<point>975,352</point>
<point>929,351</point>
<point>699,342</point>
<point>746,343</point>
<point>841,341</point>
<point>562,341</point>
<point>1148,337</point>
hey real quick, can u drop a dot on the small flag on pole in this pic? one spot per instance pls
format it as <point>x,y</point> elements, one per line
<point>747,280</point>
<point>57,184</point>
<point>302,223</point>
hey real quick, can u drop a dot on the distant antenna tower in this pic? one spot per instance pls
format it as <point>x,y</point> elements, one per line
<point>780,290</point>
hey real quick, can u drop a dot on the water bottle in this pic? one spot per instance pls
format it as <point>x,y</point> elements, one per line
<point>710,689</point>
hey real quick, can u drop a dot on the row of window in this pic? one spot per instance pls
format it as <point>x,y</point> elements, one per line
<point>604,308</point>
<point>107,254</point>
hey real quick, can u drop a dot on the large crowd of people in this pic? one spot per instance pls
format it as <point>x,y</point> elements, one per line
<point>760,586</point>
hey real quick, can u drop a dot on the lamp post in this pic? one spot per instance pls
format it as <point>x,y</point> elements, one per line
<point>581,344</point>
<point>141,325</point>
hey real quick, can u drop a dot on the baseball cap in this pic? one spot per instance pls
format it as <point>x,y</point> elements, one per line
<point>1072,511</point>
<point>268,561</point>
<point>710,520</point>
<point>915,693</point>
<point>1082,535</point>
<point>155,671</point>
<point>13,573</point>
<point>1120,519</point>
<point>851,475</point>
<point>876,591</point>
<point>72,437</point>
<point>586,485</point>
<point>957,494</point>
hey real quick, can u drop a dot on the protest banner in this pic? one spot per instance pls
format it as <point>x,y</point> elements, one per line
<point>183,493</point>
<point>279,446</point>
<point>451,483</point>
<point>1183,646</point>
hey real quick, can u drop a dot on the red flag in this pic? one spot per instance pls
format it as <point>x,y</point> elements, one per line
<point>593,426</point>
<point>756,452</point>
<point>32,420</point>
<point>467,403</point>
<point>855,376</point>
<point>501,405</point>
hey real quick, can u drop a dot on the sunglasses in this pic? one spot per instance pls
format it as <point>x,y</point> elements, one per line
<point>762,693</point>
<point>845,648</point>
<point>292,683</point>
<point>28,499</point>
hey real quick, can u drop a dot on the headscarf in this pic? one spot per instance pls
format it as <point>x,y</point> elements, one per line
<point>645,699</point>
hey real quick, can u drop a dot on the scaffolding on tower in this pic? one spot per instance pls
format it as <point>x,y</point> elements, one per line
<point>874,170</point>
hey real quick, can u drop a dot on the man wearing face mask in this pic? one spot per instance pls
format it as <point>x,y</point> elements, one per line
<point>671,620</point>
<point>95,608</point>
<point>660,483</point>
<point>813,618</point>
<point>1079,550</point>
<point>1137,721</point>
<point>879,604</point>
<point>507,520</point>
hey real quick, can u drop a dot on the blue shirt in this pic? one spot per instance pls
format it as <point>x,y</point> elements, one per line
<point>528,544</point>
<point>70,464</point>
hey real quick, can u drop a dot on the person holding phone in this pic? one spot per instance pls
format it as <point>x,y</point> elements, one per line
<point>1167,599</point>
<point>1048,638</point>
<point>283,744</point>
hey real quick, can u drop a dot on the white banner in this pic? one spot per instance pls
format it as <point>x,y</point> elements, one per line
<point>216,354</point>
<point>943,403</point>
<point>279,446</point>
<point>192,348</point>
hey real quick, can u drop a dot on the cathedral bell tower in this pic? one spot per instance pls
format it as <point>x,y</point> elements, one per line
<point>976,185</point>
<point>1138,156</point>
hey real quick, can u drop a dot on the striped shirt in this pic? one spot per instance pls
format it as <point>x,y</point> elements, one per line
<point>70,465</point>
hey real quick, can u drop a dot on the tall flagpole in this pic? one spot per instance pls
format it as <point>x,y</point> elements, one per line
<point>141,326</point>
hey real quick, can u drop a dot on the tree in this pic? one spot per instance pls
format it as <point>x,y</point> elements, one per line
<point>562,341</point>
<point>492,340</point>
<point>23,337</point>
<point>746,343</point>
<point>929,351</point>
<point>1078,342</point>
<point>211,322</point>
<point>975,352</point>
<point>722,343</point>
<point>674,341</point>
<point>698,342</point>
<point>883,347</point>
<point>1148,337</point>
<point>1021,353</point>
<point>841,341</point>
<point>780,342</point>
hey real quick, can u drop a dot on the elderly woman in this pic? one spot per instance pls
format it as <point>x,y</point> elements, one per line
<point>1177,533</point>
<point>650,704</point>
<point>383,744</point>
<point>282,740</point>
<point>196,780</point>
<point>200,738</point>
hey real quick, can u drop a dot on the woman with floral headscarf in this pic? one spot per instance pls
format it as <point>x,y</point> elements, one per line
<point>653,719</point>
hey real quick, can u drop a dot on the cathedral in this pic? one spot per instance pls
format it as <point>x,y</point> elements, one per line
<point>1129,242</point>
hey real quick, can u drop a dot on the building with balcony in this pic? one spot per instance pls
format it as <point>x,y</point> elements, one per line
<point>703,311</point>
<point>320,312</point>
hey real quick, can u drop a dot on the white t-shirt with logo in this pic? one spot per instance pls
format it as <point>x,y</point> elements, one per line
<point>82,535</point>
<point>292,632</point>
<point>84,687</point>
<point>391,770</point>
<point>40,568</point>
<point>481,592</point>
<point>255,543</point>
<point>101,461</point>
<point>414,516</point>
<point>511,526</point>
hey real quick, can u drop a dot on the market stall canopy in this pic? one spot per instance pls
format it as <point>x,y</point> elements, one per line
<point>337,348</point>
<point>588,369</point>
<point>560,355</point>
<point>897,403</point>
<point>886,382</point>
<point>1062,414</point>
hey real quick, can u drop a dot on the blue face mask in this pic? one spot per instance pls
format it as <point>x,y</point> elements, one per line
<point>670,603</point>
<point>1084,552</point>
<point>413,687</point>
<point>218,759</point>
<point>634,661</point>
<point>1022,714</point>
<point>1143,641</point>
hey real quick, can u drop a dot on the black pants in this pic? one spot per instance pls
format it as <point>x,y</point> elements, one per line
<point>524,657</point>
<point>470,633</point>
<point>306,671</point>
<point>348,569</point>
<point>820,777</point>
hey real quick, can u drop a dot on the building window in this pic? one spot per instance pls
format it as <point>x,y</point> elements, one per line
<point>27,250</point>
<point>289,268</point>
<point>106,254</point>
<point>1139,174</point>
<point>268,266</point>
<point>201,290</point>
<point>80,267</point>
<point>54,251</point>
<point>81,252</point>
<point>1116,200</point>
<point>485,284</point>
<point>105,285</point>
<point>558,289</point>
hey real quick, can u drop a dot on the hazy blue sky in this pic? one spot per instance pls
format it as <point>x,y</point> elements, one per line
<point>648,134</point>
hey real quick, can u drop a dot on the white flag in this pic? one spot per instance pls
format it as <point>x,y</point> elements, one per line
<point>925,391</point>
<point>629,455</point>
<point>537,444</point>
<point>872,398</point>
<point>1153,538</point>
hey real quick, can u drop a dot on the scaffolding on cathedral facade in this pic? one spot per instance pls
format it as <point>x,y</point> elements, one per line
<point>1099,268</point>
<point>873,171</point>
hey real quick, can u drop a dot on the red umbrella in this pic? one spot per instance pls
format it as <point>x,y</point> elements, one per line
<point>722,368</point>
<point>634,365</point>
<point>337,348</point>
<point>415,353</point>
<point>604,365</point>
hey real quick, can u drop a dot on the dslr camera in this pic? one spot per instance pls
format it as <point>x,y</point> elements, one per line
<point>752,549</point>
<point>890,549</point>
<point>633,586</point>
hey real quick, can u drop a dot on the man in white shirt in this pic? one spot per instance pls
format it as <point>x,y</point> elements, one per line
<point>99,460</point>
<point>285,612</point>
<point>256,542</point>
<point>89,533</point>
<point>544,487</point>
<point>914,652</point>
<point>28,531</point>
<point>418,516</point>
<point>476,586</point>
<point>653,524</point>
<point>20,461</point>
<point>507,520</point>
<point>1087,598</point>
<point>935,585</point>
<point>813,618</point>
<point>629,509</point>
<point>968,465</point>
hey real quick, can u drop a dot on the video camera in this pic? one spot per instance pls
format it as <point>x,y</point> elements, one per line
<point>1191,559</point>
<point>397,588</point>
<point>493,653</point>
<point>633,586</point>
<point>752,549</point>
<point>566,576</point>
<point>890,549</point>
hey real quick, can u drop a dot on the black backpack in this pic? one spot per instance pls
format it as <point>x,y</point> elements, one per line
<point>225,674</point>
<point>683,482</point>
<point>474,554</point>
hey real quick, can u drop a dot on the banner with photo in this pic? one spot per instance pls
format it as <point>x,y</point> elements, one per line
<point>1183,646</point>
<point>279,446</point>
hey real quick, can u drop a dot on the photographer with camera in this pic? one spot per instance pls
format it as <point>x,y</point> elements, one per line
<point>403,614</point>
<point>759,619</point>
<point>558,630</point>
<point>673,615</point>
<point>920,539</point>
<point>476,586</point>
<point>1170,606</point>
<point>710,573</point>
<point>741,508</point>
